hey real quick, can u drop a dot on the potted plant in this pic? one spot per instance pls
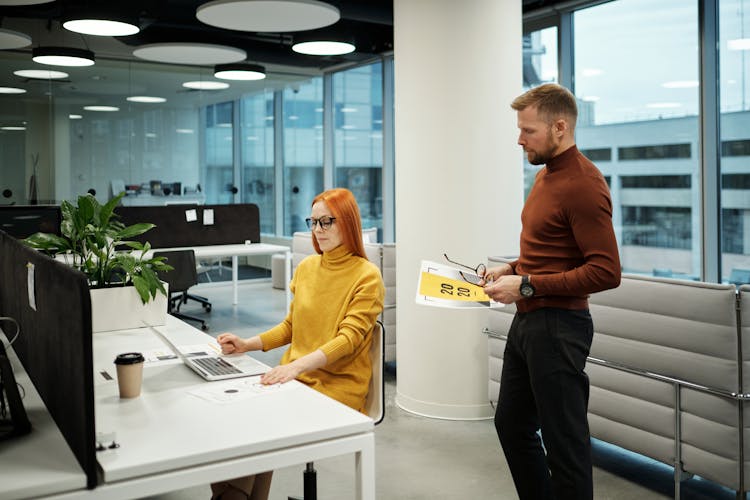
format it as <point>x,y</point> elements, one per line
<point>91,241</point>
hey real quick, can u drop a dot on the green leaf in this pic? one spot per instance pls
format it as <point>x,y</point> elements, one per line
<point>142,286</point>
<point>134,230</point>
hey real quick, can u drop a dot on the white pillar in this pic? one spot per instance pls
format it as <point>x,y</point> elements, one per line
<point>459,185</point>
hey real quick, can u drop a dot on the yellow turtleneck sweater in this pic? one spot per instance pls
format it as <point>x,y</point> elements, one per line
<point>337,299</point>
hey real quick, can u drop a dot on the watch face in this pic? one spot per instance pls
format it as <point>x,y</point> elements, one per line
<point>527,290</point>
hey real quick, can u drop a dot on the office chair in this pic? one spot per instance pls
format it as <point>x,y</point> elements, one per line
<point>180,279</point>
<point>374,405</point>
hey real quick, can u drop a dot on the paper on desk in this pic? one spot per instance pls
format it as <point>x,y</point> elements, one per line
<point>230,391</point>
<point>441,285</point>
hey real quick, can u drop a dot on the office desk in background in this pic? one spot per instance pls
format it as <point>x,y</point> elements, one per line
<point>146,200</point>
<point>170,439</point>
<point>243,250</point>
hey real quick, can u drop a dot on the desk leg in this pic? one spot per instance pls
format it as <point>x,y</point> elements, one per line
<point>288,278</point>
<point>235,265</point>
<point>364,464</point>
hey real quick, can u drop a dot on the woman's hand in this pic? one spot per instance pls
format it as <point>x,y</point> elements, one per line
<point>230,343</point>
<point>280,374</point>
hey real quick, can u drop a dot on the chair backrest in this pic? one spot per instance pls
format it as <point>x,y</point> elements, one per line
<point>375,402</point>
<point>184,275</point>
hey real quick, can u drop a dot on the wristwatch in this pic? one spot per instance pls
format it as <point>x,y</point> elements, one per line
<point>527,289</point>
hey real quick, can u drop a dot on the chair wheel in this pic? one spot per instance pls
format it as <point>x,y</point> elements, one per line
<point>204,327</point>
<point>207,308</point>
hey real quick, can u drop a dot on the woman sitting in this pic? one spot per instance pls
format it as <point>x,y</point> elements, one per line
<point>338,296</point>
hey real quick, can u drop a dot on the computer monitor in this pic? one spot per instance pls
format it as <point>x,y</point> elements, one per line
<point>21,221</point>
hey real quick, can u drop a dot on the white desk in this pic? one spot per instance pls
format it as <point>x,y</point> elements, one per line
<point>170,439</point>
<point>39,463</point>
<point>243,250</point>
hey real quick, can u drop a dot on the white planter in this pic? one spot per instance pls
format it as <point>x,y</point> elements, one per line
<point>120,308</point>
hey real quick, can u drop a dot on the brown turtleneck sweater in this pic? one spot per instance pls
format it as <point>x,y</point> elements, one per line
<point>568,245</point>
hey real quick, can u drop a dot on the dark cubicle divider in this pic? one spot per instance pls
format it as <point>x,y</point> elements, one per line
<point>54,343</point>
<point>21,221</point>
<point>231,224</point>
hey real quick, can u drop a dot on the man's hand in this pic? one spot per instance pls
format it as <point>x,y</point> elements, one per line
<point>504,289</point>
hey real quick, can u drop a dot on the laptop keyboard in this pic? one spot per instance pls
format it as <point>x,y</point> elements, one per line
<point>216,366</point>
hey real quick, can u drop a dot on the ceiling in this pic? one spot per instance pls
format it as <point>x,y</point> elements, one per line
<point>118,72</point>
<point>369,22</point>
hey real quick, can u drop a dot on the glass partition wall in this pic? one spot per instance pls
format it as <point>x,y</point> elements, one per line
<point>136,126</point>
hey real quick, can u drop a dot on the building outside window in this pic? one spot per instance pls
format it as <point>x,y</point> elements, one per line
<point>257,139</point>
<point>219,153</point>
<point>734,105</point>
<point>303,151</point>
<point>358,139</point>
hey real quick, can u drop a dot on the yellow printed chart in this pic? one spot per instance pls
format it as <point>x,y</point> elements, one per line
<point>444,286</point>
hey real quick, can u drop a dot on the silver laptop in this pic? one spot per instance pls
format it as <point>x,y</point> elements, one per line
<point>212,366</point>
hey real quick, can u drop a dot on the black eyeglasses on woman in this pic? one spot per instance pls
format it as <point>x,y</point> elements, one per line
<point>324,223</point>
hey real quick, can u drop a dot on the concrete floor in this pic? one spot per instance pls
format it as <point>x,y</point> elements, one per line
<point>423,458</point>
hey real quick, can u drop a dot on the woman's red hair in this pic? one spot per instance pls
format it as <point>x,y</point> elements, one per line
<point>344,208</point>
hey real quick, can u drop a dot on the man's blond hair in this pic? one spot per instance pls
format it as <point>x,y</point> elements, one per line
<point>552,101</point>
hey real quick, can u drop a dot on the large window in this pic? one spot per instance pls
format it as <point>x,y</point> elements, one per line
<point>257,141</point>
<point>734,71</point>
<point>358,139</point>
<point>638,96</point>
<point>219,172</point>
<point>303,152</point>
<point>539,66</point>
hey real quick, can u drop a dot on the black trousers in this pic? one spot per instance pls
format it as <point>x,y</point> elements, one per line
<point>544,387</point>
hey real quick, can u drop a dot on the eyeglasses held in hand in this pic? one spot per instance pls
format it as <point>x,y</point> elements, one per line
<point>479,270</point>
<point>324,223</point>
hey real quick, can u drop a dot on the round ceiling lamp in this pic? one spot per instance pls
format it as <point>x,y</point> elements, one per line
<point>23,2</point>
<point>62,56</point>
<point>323,48</point>
<point>190,53</point>
<point>206,85</point>
<point>240,71</point>
<point>12,90</point>
<point>41,74</point>
<point>101,27</point>
<point>13,39</point>
<point>145,99</point>
<point>268,15</point>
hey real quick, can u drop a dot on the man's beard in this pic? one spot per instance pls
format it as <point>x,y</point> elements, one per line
<point>542,157</point>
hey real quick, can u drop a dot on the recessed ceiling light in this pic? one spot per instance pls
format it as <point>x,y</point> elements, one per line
<point>40,74</point>
<point>190,53</point>
<point>101,27</point>
<point>101,108</point>
<point>680,84</point>
<point>206,85</point>
<point>13,127</point>
<point>11,90</point>
<point>590,98</point>
<point>346,109</point>
<point>323,48</point>
<point>268,15</point>
<point>185,131</point>
<point>240,71</point>
<point>75,117</point>
<point>13,39</point>
<point>739,44</point>
<point>62,56</point>
<point>145,98</point>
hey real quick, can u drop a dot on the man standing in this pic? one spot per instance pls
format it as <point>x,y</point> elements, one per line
<point>568,250</point>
